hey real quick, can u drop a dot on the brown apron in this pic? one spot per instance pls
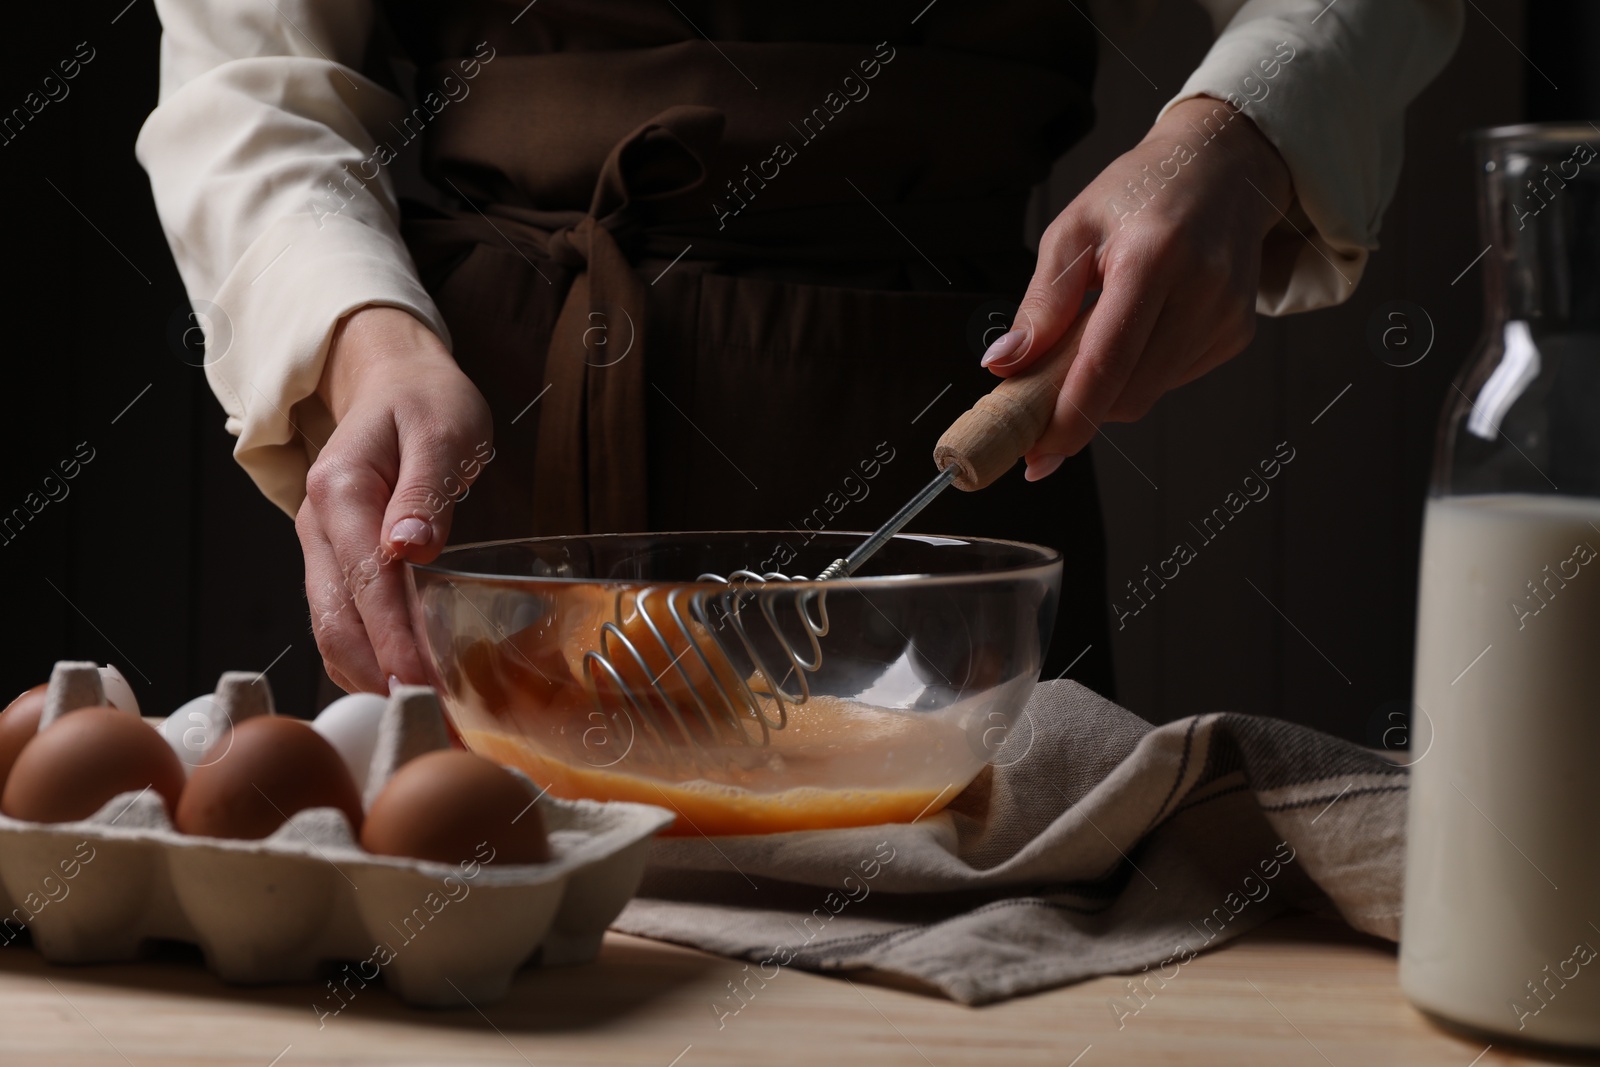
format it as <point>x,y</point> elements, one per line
<point>744,285</point>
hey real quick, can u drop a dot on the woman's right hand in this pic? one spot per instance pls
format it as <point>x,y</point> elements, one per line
<point>412,433</point>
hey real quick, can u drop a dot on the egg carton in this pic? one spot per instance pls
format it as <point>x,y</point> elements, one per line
<point>287,907</point>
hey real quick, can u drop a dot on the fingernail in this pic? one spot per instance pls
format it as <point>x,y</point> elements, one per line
<point>1009,348</point>
<point>1043,467</point>
<point>411,532</point>
<point>394,682</point>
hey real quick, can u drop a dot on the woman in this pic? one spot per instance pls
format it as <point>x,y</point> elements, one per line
<point>709,266</point>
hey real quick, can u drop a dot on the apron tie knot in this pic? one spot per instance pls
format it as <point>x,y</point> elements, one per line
<point>662,160</point>
<point>591,463</point>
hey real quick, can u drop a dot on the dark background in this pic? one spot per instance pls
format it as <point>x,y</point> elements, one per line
<point>166,561</point>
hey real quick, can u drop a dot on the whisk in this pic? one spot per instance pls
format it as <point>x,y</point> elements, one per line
<point>673,659</point>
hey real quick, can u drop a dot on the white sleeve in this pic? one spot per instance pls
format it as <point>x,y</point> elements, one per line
<point>266,176</point>
<point>1327,83</point>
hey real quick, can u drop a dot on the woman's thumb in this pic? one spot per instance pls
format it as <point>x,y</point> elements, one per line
<point>1054,296</point>
<point>432,480</point>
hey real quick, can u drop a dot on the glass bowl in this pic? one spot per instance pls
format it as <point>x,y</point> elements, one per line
<point>619,667</point>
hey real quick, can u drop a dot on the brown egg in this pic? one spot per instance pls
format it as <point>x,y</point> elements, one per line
<point>451,806</point>
<point>272,767</point>
<point>18,723</point>
<point>73,766</point>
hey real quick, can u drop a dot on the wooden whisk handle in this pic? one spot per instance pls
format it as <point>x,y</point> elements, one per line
<point>1001,427</point>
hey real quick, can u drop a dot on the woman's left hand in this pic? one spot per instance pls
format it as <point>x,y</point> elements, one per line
<point>1171,235</point>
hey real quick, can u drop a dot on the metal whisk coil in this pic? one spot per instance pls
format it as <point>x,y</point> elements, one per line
<point>731,707</point>
<point>692,673</point>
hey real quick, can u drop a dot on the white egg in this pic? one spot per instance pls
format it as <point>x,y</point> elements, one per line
<point>119,694</point>
<point>191,729</point>
<point>350,725</point>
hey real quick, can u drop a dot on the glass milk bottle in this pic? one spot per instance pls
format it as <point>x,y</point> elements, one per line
<point>1502,894</point>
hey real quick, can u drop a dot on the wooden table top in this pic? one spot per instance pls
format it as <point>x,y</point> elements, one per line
<point>1297,991</point>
